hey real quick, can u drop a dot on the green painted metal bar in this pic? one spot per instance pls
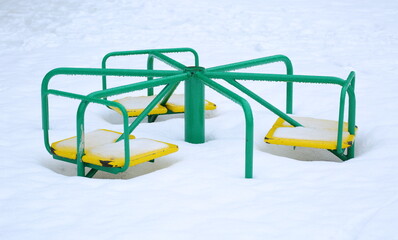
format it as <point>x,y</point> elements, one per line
<point>109,72</point>
<point>113,170</point>
<point>194,109</point>
<point>263,102</point>
<point>289,97</point>
<point>168,95</point>
<point>168,61</point>
<point>352,102</point>
<point>342,156</point>
<point>139,86</point>
<point>339,149</point>
<point>150,91</point>
<point>276,77</point>
<point>150,67</point>
<point>351,119</point>
<point>248,117</point>
<point>150,106</point>
<point>253,63</point>
<point>150,51</point>
<point>263,61</point>
<point>171,62</point>
<point>91,173</point>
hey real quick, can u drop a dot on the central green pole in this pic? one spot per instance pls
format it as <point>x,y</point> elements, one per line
<point>194,107</point>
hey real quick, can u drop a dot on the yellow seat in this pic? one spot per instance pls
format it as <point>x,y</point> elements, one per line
<point>136,105</point>
<point>315,133</point>
<point>102,149</point>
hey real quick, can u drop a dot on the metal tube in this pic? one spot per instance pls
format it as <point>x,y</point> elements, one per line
<point>276,77</point>
<point>253,63</point>
<point>150,51</point>
<point>194,110</point>
<point>150,67</point>
<point>173,63</point>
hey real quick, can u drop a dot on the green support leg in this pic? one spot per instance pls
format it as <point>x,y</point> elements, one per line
<point>194,109</point>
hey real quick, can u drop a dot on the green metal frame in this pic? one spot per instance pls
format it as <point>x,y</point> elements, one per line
<point>195,78</point>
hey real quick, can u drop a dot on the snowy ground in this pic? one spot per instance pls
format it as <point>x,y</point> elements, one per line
<point>199,192</point>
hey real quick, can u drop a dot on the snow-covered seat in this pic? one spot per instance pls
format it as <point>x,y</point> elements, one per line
<point>136,105</point>
<point>102,149</point>
<point>315,133</point>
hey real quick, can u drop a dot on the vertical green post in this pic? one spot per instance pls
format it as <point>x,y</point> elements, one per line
<point>289,90</point>
<point>150,67</point>
<point>194,108</point>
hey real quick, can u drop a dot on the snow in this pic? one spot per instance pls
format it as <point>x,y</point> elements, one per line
<point>312,129</point>
<point>308,134</point>
<point>92,139</point>
<point>102,143</point>
<point>137,146</point>
<point>315,123</point>
<point>199,192</point>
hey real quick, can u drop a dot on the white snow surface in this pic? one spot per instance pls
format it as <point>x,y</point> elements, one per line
<point>200,191</point>
<point>103,144</point>
<point>308,134</point>
<point>314,122</point>
<point>313,129</point>
<point>137,146</point>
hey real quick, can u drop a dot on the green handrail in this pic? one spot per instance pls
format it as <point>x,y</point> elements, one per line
<point>263,61</point>
<point>276,77</point>
<point>347,88</point>
<point>150,51</point>
<point>173,63</point>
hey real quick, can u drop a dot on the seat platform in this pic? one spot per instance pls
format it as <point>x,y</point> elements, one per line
<point>102,149</point>
<point>136,105</point>
<point>314,133</point>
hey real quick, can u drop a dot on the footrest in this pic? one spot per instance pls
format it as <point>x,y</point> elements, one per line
<point>102,149</point>
<point>136,105</point>
<point>315,133</point>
